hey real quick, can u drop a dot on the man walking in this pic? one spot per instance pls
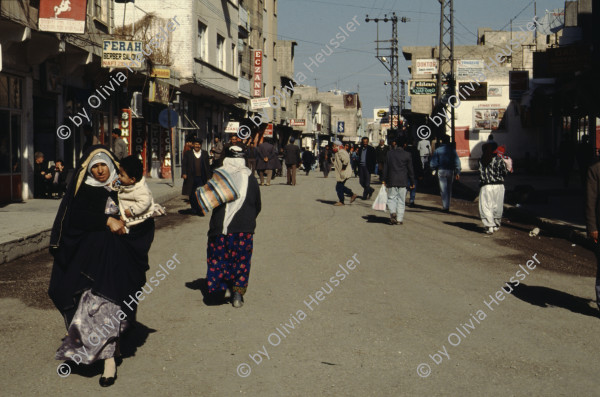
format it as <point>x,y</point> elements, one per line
<point>381,152</point>
<point>417,169</point>
<point>492,169</point>
<point>424,148</point>
<point>592,217</point>
<point>343,171</point>
<point>398,174</point>
<point>308,158</point>
<point>266,161</point>
<point>119,147</point>
<point>217,152</point>
<point>325,160</point>
<point>447,164</point>
<point>291,155</point>
<point>251,157</point>
<point>195,171</point>
<point>366,158</point>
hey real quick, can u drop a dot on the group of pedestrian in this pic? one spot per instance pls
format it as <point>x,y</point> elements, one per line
<point>103,232</point>
<point>49,182</point>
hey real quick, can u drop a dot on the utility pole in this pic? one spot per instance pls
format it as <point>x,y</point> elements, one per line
<point>446,63</point>
<point>391,65</point>
<point>402,95</point>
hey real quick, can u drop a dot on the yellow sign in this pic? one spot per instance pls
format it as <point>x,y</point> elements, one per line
<point>161,73</point>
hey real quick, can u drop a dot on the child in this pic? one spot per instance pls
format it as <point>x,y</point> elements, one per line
<point>135,198</point>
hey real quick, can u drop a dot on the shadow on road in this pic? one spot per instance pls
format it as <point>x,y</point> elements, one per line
<point>128,345</point>
<point>134,338</point>
<point>376,219</point>
<point>216,299</point>
<point>548,297</point>
<point>330,202</point>
<point>470,227</point>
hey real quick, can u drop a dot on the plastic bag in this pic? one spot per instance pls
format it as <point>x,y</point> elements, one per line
<point>381,200</point>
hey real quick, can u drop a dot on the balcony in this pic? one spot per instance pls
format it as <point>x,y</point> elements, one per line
<point>244,87</point>
<point>244,22</point>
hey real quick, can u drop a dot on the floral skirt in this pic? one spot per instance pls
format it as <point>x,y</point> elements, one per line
<point>228,262</point>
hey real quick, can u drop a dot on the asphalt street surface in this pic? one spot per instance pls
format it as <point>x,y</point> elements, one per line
<point>419,310</point>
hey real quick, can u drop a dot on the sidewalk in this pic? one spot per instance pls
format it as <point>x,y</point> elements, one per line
<point>541,200</point>
<point>26,225</point>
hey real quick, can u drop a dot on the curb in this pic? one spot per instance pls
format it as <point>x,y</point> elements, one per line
<point>560,229</point>
<point>565,230</point>
<point>35,242</point>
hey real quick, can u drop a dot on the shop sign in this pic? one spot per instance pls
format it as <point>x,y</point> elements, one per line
<point>125,127</point>
<point>158,92</point>
<point>63,16</point>
<point>120,53</point>
<point>421,87</point>
<point>258,79</point>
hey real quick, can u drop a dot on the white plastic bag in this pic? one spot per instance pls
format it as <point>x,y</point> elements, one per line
<point>381,200</point>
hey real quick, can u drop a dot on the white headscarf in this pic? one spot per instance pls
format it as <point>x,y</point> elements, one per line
<point>236,168</point>
<point>100,158</point>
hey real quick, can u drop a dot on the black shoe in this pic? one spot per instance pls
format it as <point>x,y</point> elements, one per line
<point>411,205</point>
<point>371,192</point>
<point>446,210</point>
<point>106,382</point>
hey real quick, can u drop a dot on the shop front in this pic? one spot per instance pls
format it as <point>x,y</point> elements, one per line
<point>10,138</point>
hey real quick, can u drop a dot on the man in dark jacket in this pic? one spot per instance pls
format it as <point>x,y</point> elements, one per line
<point>308,158</point>
<point>366,167</point>
<point>325,160</point>
<point>58,180</point>
<point>417,168</point>
<point>592,217</point>
<point>41,176</point>
<point>291,155</point>
<point>398,174</point>
<point>266,161</point>
<point>381,152</point>
<point>251,157</point>
<point>195,171</point>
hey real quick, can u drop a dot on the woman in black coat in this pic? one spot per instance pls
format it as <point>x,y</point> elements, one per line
<point>97,267</point>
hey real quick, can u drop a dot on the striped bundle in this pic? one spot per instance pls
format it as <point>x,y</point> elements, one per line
<point>219,190</point>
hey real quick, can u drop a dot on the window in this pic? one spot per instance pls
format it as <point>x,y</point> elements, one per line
<point>101,10</point>
<point>202,45</point>
<point>220,52</point>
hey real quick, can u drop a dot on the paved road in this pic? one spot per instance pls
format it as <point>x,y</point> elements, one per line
<point>413,294</point>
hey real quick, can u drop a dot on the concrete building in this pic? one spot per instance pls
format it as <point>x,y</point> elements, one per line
<point>203,54</point>
<point>45,77</point>
<point>322,117</point>
<point>483,104</point>
<point>312,121</point>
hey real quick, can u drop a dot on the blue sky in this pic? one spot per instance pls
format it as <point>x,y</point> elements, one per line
<point>353,66</point>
